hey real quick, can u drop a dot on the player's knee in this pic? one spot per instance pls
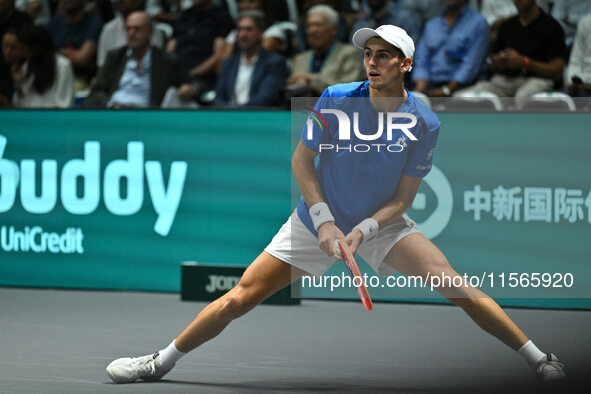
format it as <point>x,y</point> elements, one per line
<point>437,269</point>
<point>441,277</point>
<point>238,302</point>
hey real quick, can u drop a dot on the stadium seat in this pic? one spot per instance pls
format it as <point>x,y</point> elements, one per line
<point>550,101</point>
<point>474,101</point>
<point>423,97</point>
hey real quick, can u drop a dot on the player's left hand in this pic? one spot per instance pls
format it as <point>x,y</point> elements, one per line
<point>354,239</point>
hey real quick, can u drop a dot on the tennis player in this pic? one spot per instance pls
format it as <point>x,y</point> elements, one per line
<point>361,198</point>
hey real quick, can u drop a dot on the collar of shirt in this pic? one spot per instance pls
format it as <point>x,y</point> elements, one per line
<point>145,64</point>
<point>316,62</point>
<point>251,62</point>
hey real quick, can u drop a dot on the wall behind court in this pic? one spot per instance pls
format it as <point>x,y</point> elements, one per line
<point>215,187</point>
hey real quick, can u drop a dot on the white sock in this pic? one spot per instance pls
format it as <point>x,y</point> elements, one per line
<point>170,355</point>
<point>531,353</point>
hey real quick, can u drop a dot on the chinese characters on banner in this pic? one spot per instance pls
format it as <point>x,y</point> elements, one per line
<point>542,204</point>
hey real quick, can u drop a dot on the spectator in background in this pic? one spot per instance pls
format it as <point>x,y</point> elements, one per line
<point>138,75</point>
<point>424,10</point>
<point>579,67</point>
<point>38,10</point>
<point>166,11</point>
<point>496,11</point>
<point>252,76</point>
<point>114,35</point>
<point>103,9</point>
<point>278,36</point>
<point>452,51</point>
<point>75,35</point>
<point>528,56</point>
<point>568,13</point>
<point>387,12</point>
<point>329,61</point>
<point>10,17</point>
<point>198,40</point>
<point>343,31</point>
<point>11,54</point>
<point>45,79</point>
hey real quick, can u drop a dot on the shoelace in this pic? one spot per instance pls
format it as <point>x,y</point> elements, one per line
<point>144,366</point>
<point>551,368</point>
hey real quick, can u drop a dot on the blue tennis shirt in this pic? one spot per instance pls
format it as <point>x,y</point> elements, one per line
<point>357,167</point>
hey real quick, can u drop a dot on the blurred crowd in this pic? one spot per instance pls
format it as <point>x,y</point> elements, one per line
<point>257,53</point>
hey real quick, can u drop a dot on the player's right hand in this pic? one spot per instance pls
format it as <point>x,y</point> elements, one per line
<point>328,232</point>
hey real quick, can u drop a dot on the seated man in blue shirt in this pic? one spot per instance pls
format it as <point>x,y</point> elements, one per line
<point>389,12</point>
<point>75,35</point>
<point>138,75</point>
<point>452,50</point>
<point>252,76</point>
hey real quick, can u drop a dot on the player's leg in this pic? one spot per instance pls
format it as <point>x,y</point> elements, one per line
<point>265,276</point>
<point>416,255</point>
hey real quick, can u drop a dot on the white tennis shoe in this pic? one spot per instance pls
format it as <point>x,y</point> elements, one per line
<point>130,369</point>
<point>549,369</point>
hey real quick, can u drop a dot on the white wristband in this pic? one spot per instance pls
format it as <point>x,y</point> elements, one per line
<point>320,214</point>
<point>369,228</point>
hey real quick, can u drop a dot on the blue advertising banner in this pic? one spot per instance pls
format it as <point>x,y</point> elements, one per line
<point>119,199</point>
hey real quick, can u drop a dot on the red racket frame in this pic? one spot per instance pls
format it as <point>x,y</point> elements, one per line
<point>354,272</point>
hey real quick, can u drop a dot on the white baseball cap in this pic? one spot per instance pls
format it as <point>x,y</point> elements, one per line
<point>390,33</point>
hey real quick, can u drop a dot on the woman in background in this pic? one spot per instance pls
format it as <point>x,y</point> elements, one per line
<point>45,79</point>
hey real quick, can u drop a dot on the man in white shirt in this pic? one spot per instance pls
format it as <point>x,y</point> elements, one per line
<point>114,35</point>
<point>579,67</point>
<point>252,76</point>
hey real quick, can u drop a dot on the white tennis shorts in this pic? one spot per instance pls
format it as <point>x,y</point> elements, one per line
<point>298,246</point>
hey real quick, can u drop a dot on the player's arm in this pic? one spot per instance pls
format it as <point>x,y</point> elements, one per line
<point>386,215</point>
<point>83,56</point>
<point>401,203</point>
<point>302,165</point>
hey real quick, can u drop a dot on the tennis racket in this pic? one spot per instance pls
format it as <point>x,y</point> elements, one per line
<point>354,272</point>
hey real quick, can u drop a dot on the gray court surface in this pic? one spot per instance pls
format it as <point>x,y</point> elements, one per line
<point>58,341</point>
